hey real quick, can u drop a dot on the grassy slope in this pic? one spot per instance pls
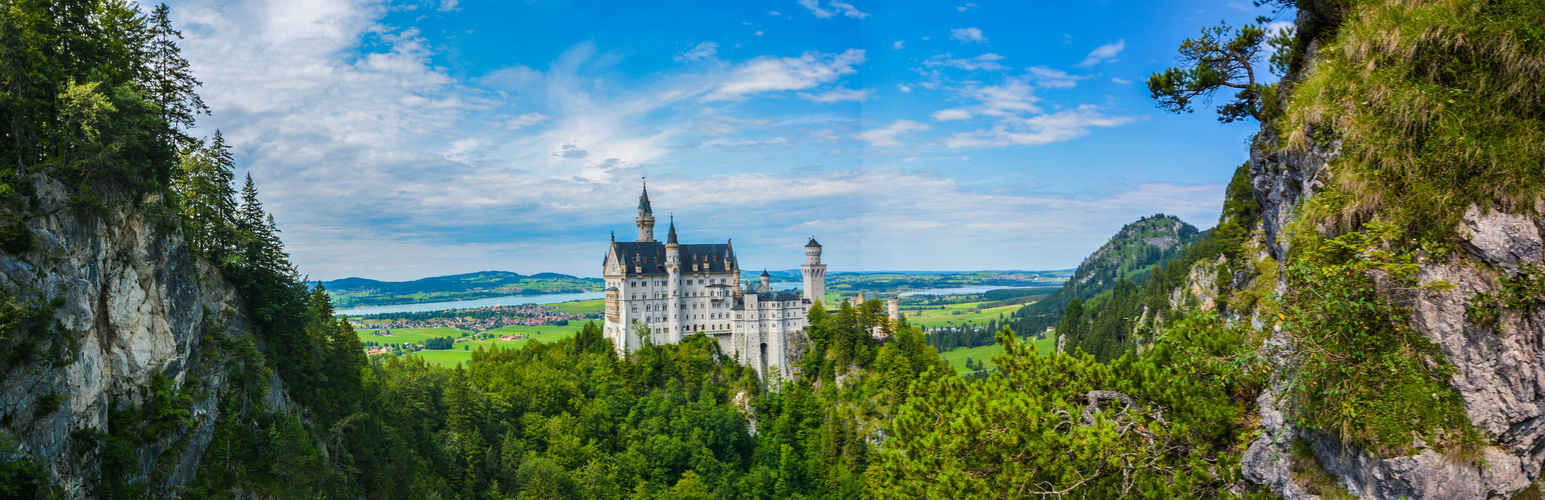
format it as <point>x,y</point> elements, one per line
<point>967,315</point>
<point>957,358</point>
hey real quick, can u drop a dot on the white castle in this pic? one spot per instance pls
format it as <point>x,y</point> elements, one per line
<point>673,290</point>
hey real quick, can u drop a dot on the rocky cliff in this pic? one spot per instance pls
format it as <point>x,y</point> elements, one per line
<point>136,312</point>
<point>1480,306</point>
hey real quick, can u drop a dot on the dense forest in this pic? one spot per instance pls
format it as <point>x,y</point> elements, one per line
<point>1181,348</point>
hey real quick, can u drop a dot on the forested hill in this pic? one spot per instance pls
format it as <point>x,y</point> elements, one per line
<point>356,292</point>
<point>1132,254</point>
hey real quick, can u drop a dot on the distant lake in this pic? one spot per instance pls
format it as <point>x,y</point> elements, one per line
<point>512,300</point>
<point>965,290</point>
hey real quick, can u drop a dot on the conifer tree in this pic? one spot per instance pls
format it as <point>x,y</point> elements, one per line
<point>170,79</point>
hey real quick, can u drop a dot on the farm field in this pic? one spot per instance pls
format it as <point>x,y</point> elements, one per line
<point>462,352</point>
<point>967,314</point>
<point>957,358</point>
<point>405,335</point>
<point>580,306</point>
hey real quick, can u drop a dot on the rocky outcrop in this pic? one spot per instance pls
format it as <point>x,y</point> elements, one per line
<point>136,303</point>
<point>1500,367</point>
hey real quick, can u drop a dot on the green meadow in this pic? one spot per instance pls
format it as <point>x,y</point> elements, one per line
<point>957,358</point>
<point>956,314</point>
<point>406,335</point>
<point>462,352</point>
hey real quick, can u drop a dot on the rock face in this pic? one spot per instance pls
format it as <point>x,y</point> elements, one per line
<point>135,302</point>
<point>1500,368</point>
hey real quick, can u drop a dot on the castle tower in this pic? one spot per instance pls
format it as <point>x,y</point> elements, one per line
<point>766,282</point>
<point>814,272</point>
<point>895,307</point>
<point>673,271</point>
<point>645,217</point>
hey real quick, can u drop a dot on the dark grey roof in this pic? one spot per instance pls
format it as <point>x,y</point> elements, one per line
<point>651,256</point>
<point>672,238</point>
<point>765,275</point>
<point>643,201</point>
<point>778,296</point>
<point>812,243</point>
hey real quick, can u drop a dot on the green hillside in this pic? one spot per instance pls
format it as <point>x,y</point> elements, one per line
<point>1132,254</point>
<point>359,292</point>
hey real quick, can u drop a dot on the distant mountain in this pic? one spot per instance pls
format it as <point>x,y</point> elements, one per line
<point>357,292</point>
<point>1133,253</point>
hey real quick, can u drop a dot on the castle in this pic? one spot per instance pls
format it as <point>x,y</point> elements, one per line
<point>670,291</point>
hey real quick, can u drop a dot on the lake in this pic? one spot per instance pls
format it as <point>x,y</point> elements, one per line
<point>964,290</point>
<point>495,301</point>
<point>469,304</point>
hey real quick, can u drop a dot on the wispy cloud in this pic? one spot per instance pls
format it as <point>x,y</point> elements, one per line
<point>987,62</point>
<point>768,74</point>
<point>898,44</point>
<point>951,114</point>
<point>525,120</point>
<point>1103,53</point>
<point>1038,130</point>
<point>890,135</point>
<point>701,51</point>
<point>968,35</point>
<point>837,7</point>
<point>838,95</point>
<point>966,7</point>
<point>1052,78</point>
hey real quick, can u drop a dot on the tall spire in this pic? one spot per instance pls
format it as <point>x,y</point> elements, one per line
<point>645,217</point>
<point>671,238</point>
<point>643,199</point>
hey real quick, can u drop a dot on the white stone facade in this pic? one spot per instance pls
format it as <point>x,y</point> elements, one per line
<point>672,290</point>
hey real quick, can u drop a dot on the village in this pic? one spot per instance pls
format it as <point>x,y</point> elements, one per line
<point>408,332</point>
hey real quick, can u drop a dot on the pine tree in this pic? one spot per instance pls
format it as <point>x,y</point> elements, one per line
<point>170,79</point>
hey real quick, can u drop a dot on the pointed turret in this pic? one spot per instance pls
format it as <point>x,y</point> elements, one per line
<point>645,217</point>
<point>766,282</point>
<point>671,238</point>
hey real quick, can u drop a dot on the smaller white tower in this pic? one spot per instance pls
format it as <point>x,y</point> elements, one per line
<point>814,272</point>
<point>673,273</point>
<point>766,285</point>
<point>895,307</point>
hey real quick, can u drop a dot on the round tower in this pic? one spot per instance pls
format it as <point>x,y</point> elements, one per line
<point>766,282</point>
<point>645,217</point>
<point>673,271</point>
<point>814,272</point>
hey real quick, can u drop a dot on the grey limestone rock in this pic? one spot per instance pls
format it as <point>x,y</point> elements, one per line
<point>134,300</point>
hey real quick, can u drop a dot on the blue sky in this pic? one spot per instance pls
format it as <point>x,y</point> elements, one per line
<point>397,140</point>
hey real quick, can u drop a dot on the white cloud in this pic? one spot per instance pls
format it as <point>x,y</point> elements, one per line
<point>888,137</point>
<point>758,33</point>
<point>837,7</point>
<point>525,120</point>
<point>903,88</point>
<point>1103,53</point>
<point>701,51</point>
<point>1122,81</point>
<point>768,74</point>
<point>838,95</point>
<point>968,35</point>
<point>1052,78</point>
<point>951,114</point>
<point>966,7</point>
<point>447,5</point>
<point>774,13</point>
<point>848,9</point>
<point>1038,130</point>
<point>898,44</point>
<point>987,62</point>
<point>1013,97</point>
